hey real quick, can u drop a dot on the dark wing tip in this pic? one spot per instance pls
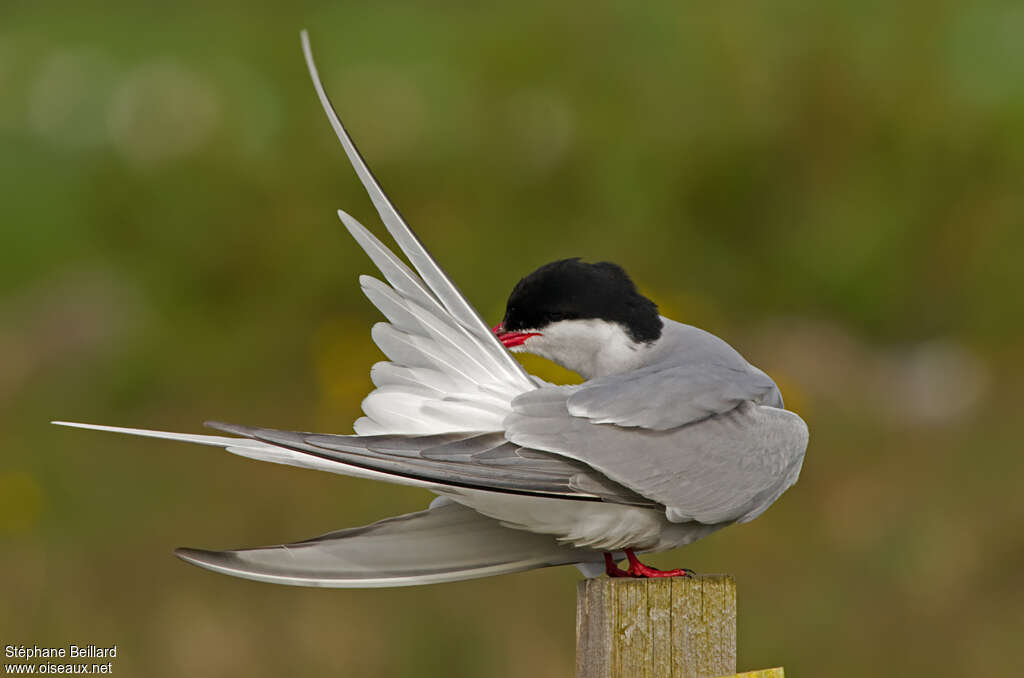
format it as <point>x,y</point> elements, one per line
<point>200,557</point>
<point>226,562</point>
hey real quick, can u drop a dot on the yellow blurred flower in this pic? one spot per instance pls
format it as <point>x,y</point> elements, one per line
<point>21,501</point>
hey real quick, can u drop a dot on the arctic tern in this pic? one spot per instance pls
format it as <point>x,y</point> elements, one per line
<point>672,436</point>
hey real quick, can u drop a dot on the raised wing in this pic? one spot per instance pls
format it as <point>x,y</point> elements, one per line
<point>440,377</point>
<point>723,468</point>
<point>445,362</point>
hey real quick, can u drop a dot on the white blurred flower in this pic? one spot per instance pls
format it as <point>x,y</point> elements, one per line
<point>935,382</point>
<point>161,112</point>
<point>67,101</point>
<point>938,380</point>
<point>255,106</point>
<point>545,124</point>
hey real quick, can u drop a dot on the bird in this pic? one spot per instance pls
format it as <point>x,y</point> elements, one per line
<point>671,436</point>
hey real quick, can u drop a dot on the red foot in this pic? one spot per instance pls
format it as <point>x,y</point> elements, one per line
<point>639,570</point>
<point>613,570</point>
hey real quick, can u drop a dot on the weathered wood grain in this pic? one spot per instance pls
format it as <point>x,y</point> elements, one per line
<point>679,627</point>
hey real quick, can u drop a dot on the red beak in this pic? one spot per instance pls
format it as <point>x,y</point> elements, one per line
<point>510,339</point>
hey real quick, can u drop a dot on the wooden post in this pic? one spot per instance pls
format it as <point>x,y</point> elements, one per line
<point>678,627</point>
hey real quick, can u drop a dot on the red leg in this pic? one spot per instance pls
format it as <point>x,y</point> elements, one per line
<point>613,570</point>
<point>638,569</point>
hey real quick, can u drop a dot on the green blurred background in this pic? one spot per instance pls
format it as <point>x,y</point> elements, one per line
<point>834,188</point>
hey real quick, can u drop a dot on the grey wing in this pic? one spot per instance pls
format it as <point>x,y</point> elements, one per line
<point>447,542</point>
<point>481,460</point>
<point>726,467</point>
<point>663,396</point>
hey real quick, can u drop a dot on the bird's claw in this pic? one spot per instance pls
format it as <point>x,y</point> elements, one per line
<point>638,570</point>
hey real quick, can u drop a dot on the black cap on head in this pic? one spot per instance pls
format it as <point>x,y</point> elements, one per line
<point>571,289</point>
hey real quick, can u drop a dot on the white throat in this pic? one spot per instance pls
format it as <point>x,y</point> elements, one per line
<point>592,348</point>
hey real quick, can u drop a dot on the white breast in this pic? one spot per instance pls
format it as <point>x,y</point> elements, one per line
<point>591,348</point>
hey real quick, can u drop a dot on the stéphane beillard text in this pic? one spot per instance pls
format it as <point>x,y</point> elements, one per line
<point>71,651</point>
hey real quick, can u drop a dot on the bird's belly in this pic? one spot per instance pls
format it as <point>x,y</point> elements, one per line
<point>596,525</point>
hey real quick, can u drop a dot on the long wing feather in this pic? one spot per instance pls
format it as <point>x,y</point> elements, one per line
<point>400,276</point>
<point>411,317</point>
<point>442,377</point>
<point>413,292</point>
<point>447,542</point>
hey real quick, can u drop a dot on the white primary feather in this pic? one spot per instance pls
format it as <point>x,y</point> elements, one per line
<point>432,274</point>
<point>427,344</point>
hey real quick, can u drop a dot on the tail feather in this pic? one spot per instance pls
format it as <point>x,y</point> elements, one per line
<point>262,451</point>
<point>447,542</point>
